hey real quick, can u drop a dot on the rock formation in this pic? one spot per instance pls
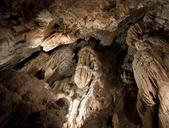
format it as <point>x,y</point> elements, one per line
<point>84,64</point>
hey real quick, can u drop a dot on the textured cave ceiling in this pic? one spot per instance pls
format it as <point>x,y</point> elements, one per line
<point>84,64</point>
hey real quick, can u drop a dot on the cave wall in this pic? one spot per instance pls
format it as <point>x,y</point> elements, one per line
<point>84,64</point>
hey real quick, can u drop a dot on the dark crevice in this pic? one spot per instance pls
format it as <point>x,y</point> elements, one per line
<point>21,64</point>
